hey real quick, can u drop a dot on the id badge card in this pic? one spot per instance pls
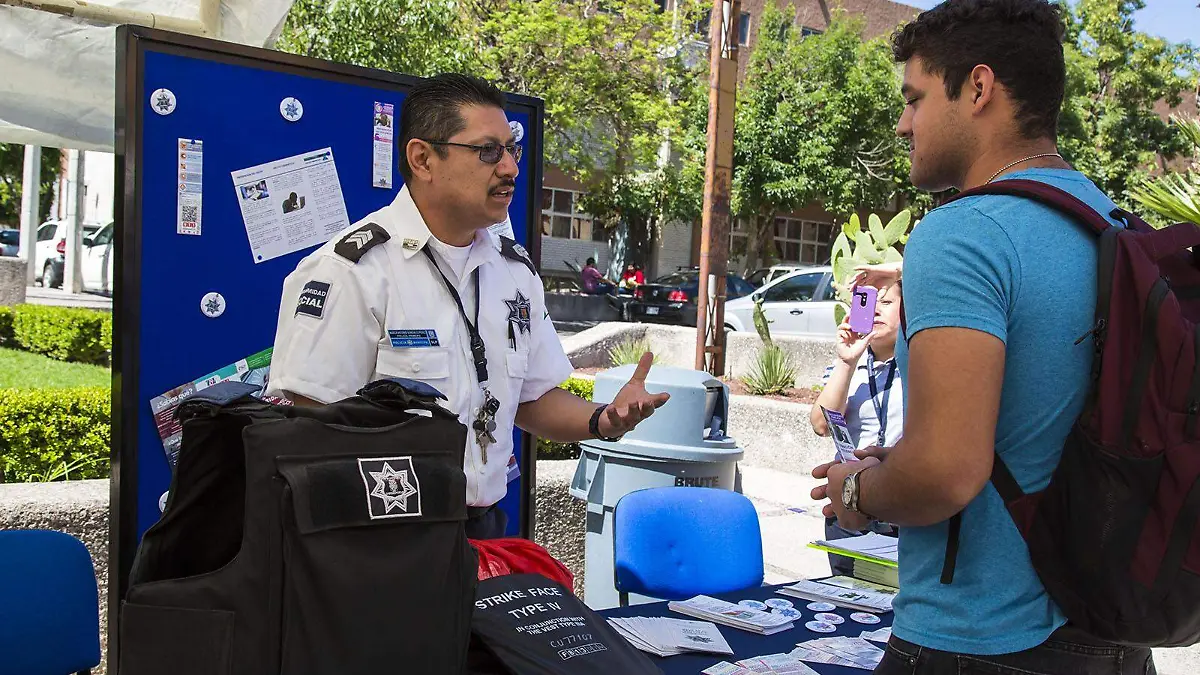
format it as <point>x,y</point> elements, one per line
<point>841,435</point>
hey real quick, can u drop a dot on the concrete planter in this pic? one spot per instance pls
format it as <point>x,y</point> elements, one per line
<point>676,346</point>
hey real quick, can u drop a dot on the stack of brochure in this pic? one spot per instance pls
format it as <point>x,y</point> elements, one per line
<point>841,651</point>
<point>872,547</point>
<point>845,592</point>
<point>668,637</point>
<point>867,570</point>
<point>729,614</point>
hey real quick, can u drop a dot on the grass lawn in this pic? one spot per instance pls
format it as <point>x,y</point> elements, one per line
<point>26,370</point>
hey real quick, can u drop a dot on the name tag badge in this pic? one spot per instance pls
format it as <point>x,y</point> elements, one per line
<point>410,339</point>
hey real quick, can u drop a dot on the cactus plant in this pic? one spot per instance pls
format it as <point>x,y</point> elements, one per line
<point>855,246</point>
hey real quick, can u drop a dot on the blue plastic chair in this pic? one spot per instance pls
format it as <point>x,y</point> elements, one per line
<point>673,543</point>
<point>49,609</point>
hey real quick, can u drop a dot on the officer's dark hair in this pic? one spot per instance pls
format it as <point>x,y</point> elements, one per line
<point>1020,40</point>
<point>431,110</point>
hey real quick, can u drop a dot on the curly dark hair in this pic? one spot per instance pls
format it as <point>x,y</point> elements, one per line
<point>1020,40</point>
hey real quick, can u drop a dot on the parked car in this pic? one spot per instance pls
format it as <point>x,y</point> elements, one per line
<point>672,298</point>
<point>51,248</point>
<point>765,275</point>
<point>10,242</point>
<point>800,303</point>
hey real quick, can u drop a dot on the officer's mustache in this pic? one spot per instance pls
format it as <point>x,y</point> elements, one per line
<point>508,185</point>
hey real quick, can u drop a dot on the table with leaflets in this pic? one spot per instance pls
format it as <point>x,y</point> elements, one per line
<point>746,644</point>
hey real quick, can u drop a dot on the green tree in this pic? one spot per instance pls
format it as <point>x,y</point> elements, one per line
<point>606,71</point>
<point>815,122</point>
<point>416,37</point>
<point>12,173</point>
<point>1109,129</point>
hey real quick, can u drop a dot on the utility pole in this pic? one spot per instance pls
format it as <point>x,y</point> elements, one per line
<point>718,179</point>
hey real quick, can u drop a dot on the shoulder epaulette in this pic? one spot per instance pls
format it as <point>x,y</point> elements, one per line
<point>355,245</point>
<point>514,251</point>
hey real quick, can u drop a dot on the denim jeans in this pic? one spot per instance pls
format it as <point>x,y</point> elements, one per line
<point>1067,652</point>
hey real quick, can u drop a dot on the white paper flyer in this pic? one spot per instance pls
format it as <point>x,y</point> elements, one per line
<point>291,204</point>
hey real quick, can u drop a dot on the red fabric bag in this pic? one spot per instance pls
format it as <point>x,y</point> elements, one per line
<point>513,555</point>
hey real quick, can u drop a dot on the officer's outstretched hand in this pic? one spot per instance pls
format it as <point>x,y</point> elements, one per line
<point>633,403</point>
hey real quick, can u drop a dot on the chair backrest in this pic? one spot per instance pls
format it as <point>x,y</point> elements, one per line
<point>49,609</point>
<point>673,543</point>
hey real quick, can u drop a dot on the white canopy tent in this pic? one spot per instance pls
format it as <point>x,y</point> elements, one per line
<point>58,80</point>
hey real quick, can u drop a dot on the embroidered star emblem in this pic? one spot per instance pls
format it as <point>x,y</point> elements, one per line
<point>518,312</point>
<point>392,487</point>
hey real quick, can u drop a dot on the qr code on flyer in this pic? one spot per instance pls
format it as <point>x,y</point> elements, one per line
<point>189,219</point>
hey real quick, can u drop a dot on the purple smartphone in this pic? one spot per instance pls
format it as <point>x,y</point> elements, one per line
<point>862,309</point>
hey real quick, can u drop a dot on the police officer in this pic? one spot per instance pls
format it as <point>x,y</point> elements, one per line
<point>420,289</point>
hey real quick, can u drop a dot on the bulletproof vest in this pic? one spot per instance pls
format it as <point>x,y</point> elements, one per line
<point>302,540</point>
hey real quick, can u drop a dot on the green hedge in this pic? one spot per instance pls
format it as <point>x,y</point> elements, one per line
<point>63,333</point>
<point>6,326</point>
<point>42,431</point>
<point>551,450</point>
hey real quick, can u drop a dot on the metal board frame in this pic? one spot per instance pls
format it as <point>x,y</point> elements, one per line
<point>134,468</point>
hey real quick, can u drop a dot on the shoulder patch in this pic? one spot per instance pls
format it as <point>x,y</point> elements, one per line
<point>514,251</point>
<point>355,245</point>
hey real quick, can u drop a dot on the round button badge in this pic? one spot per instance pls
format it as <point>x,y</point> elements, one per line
<point>863,617</point>
<point>780,603</point>
<point>162,101</point>
<point>820,627</point>
<point>753,604</point>
<point>212,305</point>
<point>291,109</point>
<point>822,606</point>
<point>830,618</point>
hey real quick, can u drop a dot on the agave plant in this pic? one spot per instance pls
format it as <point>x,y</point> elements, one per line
<point>774,372</point>
<point>1175,196</point>
<point>630,352</point>
<point>874,246</point>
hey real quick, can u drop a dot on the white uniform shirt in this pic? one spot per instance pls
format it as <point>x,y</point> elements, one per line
<point>861,418</point>
<point>343,324</point>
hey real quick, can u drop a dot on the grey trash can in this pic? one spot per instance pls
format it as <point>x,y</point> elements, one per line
<point>685,443</point>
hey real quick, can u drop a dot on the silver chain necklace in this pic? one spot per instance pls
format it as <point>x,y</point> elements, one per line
<point>1023,159</point>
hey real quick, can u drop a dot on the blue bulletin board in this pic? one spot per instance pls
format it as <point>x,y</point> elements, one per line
<point>228,97</point>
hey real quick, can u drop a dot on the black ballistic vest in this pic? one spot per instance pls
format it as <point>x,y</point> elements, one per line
<point>303,541</point>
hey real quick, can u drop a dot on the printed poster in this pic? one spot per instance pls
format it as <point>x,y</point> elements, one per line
<point>291,204</point>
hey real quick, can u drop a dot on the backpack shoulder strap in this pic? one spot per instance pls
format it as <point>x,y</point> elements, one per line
<point>1043,193</point>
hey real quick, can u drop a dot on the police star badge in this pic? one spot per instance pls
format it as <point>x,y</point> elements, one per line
<point>518,312</point>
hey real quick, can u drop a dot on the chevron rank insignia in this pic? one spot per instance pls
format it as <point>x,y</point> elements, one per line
<point>514,251</point>
<point>355,245</point>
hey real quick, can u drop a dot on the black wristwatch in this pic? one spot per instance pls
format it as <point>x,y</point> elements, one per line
<point>594,425</point>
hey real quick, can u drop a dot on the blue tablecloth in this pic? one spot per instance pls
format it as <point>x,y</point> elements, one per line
<point>746,644</point>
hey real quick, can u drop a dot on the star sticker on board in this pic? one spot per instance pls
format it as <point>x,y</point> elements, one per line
<point>518,312</point>
<point>392,487</point>
<point>163,102</point>
<point>291,110</point>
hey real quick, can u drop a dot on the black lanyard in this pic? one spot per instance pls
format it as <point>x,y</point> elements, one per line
<point>477,346</point>
<point>880,407</point>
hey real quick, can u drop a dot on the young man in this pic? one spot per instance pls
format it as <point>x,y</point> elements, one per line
<point>996,292</point>
<point>594,281</point>
<point>422,290</point>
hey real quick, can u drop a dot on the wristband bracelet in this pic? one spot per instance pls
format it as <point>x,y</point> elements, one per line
<point>594,425</point>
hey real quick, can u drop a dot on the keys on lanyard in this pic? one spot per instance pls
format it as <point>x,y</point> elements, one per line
<point>484,424</point>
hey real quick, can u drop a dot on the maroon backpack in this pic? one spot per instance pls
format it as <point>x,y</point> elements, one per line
<point>1115,536</point>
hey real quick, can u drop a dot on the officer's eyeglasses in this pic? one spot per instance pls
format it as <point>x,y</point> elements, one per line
<point>489,153</point>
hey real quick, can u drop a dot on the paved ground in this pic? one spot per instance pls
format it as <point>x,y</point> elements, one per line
<point>53,296</point>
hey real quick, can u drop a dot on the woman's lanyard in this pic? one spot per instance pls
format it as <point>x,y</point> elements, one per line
<point>881,408</point>
<point>485,420</point>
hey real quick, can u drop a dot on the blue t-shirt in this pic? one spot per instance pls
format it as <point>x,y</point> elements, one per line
<point>1026,274</point>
